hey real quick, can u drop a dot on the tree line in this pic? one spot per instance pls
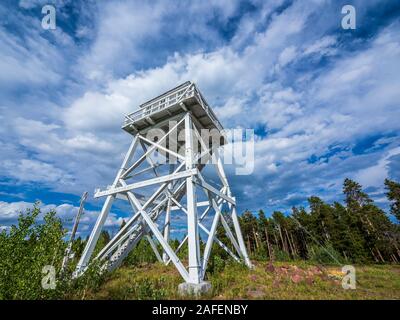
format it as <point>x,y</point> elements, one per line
<point>355,231</point>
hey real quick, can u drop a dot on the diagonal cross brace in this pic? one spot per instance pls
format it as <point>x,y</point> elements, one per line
<point>167,248</point>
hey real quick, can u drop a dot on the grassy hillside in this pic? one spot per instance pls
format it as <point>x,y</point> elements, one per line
<point>278,281</point>
<point>357,233</point>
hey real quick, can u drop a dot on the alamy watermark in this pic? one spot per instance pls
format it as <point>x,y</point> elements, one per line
<point>234,146</point>
<point>49,277</point>
<point>349,18</point>
<point>49,21</point>
<point>349,278</point>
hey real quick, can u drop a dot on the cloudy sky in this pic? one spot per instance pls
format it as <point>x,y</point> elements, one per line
<point>323,101</point>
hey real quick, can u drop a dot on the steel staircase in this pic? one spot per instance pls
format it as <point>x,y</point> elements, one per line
<point>138,231</point>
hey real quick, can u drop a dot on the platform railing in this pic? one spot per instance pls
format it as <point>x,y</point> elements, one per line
<point>165,101</point>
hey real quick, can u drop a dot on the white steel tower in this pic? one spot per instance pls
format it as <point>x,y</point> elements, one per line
<point>175,140</point>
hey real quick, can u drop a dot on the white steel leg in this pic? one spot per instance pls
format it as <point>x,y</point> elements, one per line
<point>240,237</point>
<point>193,234</point>
<point>235,220</point>
<point>94,236</point>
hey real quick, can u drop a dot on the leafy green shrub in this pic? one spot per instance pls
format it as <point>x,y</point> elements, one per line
<point>215,264</point>
<point>91,280</point>
<point>146,289</point>
<point>25,250</point>
<point>325,255</point>
<point>141,289</point>
<point>260,254</point>
<point>142,254</point>
<point>281,255</point>
<point>30,246</point>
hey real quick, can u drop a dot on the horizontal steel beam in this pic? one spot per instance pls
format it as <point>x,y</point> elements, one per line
<point>145,183</point>
<point>199,204</point>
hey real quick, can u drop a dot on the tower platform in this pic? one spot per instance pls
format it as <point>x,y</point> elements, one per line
<point>173,103</point>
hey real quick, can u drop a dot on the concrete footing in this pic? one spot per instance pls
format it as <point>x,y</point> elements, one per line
<point>194,289</point>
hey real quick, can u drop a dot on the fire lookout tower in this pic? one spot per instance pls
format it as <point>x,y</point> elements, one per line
<point>164,171</point>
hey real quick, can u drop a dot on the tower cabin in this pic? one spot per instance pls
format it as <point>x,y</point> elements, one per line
<point>172,105</point>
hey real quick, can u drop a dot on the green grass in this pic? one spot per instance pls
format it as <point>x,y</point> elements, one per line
<point>283,280</point>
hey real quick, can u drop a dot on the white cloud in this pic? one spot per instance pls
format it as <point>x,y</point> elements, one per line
<point>29,59</point>
<point>22,66</point>
<point>374,175</point>
<point>287,56</point>
<point>30,4</point>
<point>220,74</point>
<point>324,46</point>
<point>28,170</point>
<point>9,212</point>
<point>232,107</point>
<point>125,27</point>
<point>77,142</point>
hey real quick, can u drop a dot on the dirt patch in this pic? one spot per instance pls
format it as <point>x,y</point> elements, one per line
<point>295,274</point>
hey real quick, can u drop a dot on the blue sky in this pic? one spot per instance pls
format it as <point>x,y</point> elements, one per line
<point>324,101</point>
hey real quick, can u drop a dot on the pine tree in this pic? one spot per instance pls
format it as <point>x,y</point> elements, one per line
<point>393,194</point>
<point>355,197</point>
